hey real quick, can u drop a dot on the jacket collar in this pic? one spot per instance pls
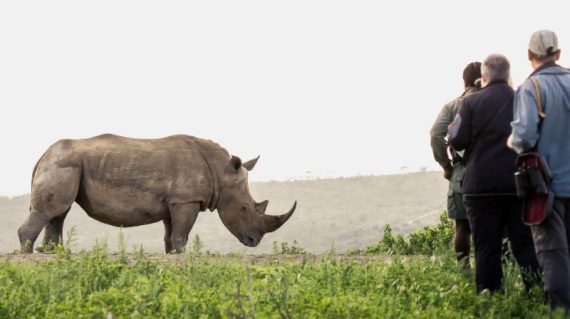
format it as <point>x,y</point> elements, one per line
<point>497,82</point>
<point>544,66</point>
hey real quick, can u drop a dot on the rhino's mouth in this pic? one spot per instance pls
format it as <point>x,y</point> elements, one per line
<point>250,241</point>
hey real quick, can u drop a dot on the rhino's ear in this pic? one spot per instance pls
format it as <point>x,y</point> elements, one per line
<point>261,207</point>
<point>249,165</point>
<point>235,163</point>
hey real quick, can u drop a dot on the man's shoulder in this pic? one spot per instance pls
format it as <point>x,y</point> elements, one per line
<point>545,76</point>
<point>501,86</point>
<point>452,104</point>
<point>506,89</point>
<point>553,70</point>
<point>475,96</point>
<point>490,93</point>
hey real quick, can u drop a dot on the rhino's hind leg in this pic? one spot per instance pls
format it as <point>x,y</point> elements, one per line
<point>54,190</point>
<point>182,217</point>
<point>30,229</point>
<point>53,234</point>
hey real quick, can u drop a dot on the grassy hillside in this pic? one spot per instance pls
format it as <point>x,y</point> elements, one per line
<point>345,212</point>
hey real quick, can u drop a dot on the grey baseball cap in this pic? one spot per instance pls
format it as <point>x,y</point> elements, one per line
<point>543,43</point>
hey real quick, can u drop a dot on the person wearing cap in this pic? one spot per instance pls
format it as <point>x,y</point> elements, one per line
<point>454,167</point>
<point>542,124</point>
<point>481,128</point>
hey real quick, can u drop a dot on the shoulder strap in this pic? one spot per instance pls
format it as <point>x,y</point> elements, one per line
<point>538,97</point>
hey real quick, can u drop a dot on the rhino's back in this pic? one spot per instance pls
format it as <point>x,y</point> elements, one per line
<point>140,163</point>
<point>126,181</point>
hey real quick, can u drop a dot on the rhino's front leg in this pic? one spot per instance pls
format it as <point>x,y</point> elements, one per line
<point>182,218</point>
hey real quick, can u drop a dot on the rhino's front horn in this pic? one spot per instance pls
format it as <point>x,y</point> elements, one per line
<point>272,223</point>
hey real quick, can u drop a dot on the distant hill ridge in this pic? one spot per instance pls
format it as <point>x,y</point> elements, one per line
<point>346,213</point>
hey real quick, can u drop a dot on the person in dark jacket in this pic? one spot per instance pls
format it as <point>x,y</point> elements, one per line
<point>453,168</point>
<point>481,128</point>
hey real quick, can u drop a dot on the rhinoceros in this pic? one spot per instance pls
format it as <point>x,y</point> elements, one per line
<point>130,182</point>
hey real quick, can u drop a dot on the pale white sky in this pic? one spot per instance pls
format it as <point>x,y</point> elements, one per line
<point>334,88</point>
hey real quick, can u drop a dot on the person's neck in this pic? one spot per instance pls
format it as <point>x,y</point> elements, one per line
<point>537,64</point>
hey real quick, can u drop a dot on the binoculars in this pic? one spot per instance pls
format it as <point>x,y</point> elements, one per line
<point>530,180</point>
<point>533,175</point>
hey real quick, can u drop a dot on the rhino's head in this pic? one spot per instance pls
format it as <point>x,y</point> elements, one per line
<point>240,213</point>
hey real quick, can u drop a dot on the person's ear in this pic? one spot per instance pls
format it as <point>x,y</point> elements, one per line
<point>484,81</point>
<point>530,55</point>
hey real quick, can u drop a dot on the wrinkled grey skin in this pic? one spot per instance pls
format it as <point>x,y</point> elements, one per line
<point>130,182</point>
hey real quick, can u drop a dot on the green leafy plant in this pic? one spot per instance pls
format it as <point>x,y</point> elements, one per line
<point>90,284</point>
<point>95,284</point>
<point>197,245</point>
<point>430,240</point>
<point>284,248</point>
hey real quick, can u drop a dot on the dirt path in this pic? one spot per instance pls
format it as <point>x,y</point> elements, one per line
<point>250,259</point>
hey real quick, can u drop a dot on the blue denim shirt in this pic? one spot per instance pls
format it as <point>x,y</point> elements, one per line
<point>551,135</point>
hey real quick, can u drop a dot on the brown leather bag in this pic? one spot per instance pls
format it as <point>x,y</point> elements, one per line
<point>533,178</point>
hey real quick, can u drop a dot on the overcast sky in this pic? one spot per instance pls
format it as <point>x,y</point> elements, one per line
<point>319,88</point>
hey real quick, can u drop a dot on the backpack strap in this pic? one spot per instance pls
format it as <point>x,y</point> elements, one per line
<point>538,97</point>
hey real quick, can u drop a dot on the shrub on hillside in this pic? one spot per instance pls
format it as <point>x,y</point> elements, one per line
<point>430,240</point>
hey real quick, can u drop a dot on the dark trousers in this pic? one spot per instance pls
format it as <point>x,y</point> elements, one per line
<point>551,239</point>
<point>490,216</point>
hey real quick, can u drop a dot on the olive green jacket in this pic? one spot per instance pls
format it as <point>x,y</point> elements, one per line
<point>439,144</point>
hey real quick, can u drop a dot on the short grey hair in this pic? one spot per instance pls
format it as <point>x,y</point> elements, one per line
<point>496,67</point>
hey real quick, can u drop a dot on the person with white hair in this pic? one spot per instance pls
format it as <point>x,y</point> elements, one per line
<point>542,124</point>
<point>481,128</point>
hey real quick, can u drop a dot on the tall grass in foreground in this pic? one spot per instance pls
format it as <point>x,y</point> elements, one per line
<point>419,280</point>
<point>93,285</point>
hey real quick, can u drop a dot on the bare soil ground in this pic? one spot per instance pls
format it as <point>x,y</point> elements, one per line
<point>264,259</point>
<point>333,214</point>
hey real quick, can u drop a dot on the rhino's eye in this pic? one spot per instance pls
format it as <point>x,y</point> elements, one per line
<point>243,209</point>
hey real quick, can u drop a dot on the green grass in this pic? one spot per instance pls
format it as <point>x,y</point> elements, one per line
<point>415,277</point>
<point>94,285</point>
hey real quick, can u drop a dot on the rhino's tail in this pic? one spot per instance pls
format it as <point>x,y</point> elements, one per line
<point>35,169</point>
<point>34,173</point>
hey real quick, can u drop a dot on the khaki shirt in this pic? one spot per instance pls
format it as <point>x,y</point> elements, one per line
<point>439,144</point>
